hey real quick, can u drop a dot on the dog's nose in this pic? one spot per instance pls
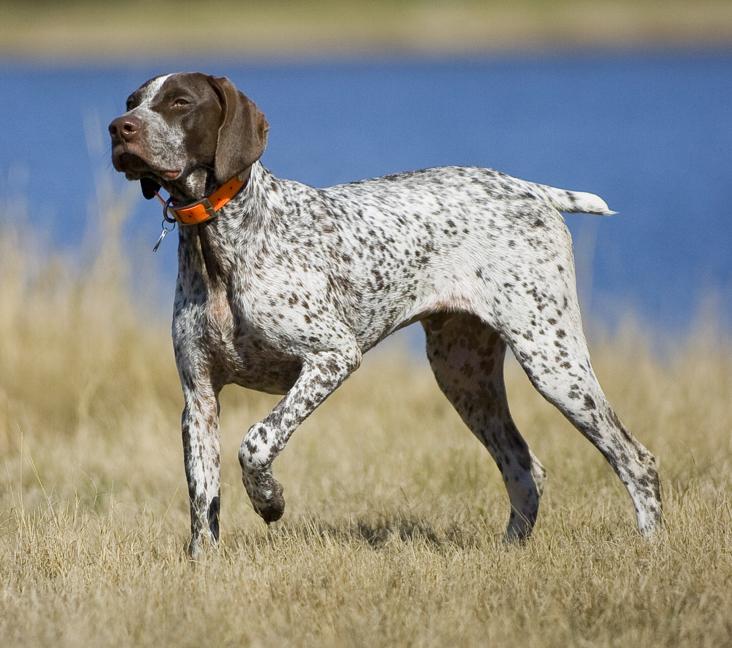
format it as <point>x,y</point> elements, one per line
<point>125,127</point>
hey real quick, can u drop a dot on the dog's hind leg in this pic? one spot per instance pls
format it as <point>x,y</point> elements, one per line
<point>543,327</point>
<point>467,356</point>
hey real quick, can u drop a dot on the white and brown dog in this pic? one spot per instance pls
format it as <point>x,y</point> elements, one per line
<point>282,287</point>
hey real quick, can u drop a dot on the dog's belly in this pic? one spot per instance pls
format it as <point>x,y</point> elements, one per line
<point>251,361</point>
<point>262,368</point>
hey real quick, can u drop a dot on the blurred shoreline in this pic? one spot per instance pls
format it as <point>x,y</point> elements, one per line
<point>81,30</point>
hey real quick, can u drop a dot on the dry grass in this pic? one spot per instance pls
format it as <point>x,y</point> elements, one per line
<point>392,535</point>
<point>134,29</point>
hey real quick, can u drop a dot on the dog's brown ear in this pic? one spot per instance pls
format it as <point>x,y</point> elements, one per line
<point>242,134</point>
<point>149,187</point>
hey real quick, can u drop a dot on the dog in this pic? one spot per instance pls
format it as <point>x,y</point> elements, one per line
<point>283,287</point>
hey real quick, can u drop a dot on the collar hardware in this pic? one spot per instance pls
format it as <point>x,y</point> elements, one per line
<point>210,211</point>
<point>167,218</point>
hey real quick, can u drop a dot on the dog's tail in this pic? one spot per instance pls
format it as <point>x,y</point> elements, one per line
<point>576,201</point>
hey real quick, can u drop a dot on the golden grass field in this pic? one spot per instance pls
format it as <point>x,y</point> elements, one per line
<point>395,512</point>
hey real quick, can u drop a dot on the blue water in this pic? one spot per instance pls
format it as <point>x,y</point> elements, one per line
<point>650,132</point>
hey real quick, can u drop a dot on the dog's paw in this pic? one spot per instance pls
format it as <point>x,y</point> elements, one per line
<point>201,545</point>
<point>272,510</point>
<point>266,495</point>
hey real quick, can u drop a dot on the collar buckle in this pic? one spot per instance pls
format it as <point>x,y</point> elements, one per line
<point>210,210</point>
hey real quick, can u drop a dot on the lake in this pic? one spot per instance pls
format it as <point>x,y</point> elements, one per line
<point>651,132</point>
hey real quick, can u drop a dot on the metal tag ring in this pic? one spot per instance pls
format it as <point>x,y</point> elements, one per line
<point>166,216</point>
<point>167,225</point>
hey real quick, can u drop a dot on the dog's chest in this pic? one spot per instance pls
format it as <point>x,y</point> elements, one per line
<point>231,342</point>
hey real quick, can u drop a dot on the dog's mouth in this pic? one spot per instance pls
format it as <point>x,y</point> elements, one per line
<point>134,166</point>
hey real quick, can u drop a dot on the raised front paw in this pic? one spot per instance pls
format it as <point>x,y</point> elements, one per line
<point>265,493</point>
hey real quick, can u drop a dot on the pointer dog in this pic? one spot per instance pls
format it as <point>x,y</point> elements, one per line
<point>282,287</point>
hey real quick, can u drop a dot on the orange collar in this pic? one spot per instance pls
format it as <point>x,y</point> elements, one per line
<point>208,207</point>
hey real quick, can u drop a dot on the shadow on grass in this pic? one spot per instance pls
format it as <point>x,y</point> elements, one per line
<point>376,532</point>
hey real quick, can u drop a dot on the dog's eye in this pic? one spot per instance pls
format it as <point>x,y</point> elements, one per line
<point>180,102</point>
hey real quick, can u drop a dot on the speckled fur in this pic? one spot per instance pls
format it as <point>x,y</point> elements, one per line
<point>290,285</point>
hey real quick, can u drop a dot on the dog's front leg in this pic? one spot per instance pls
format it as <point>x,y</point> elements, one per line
<point>200,428</point>
<point>321,375</point>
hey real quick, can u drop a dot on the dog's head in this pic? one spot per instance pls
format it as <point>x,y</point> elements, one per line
<point>187,132</point>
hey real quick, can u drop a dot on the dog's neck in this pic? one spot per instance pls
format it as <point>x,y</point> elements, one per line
<point>212,249</point>
<point>196,185</point>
